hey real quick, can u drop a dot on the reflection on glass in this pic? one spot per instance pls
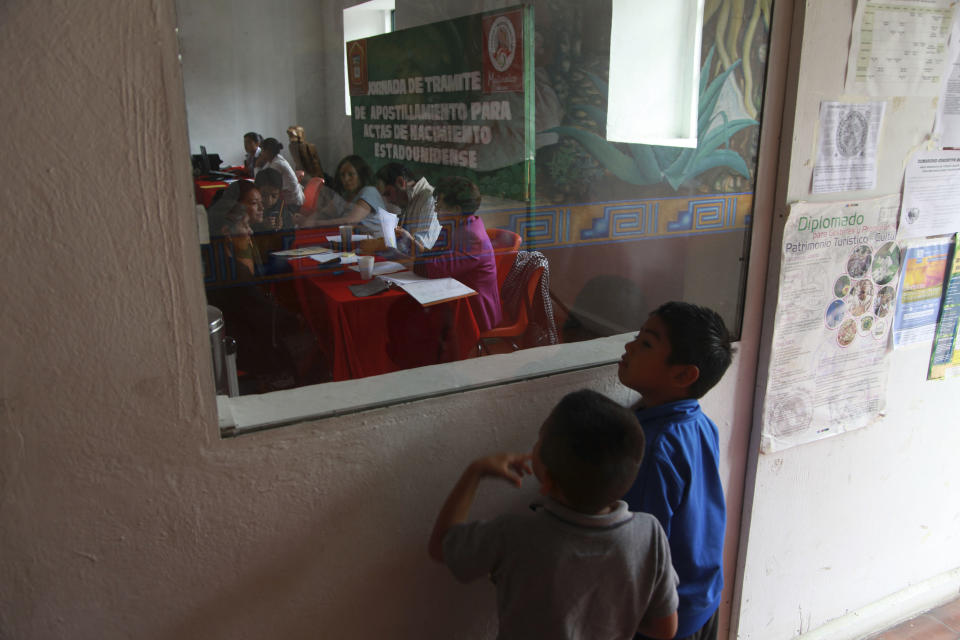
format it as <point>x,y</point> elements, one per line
<point>582,235</point>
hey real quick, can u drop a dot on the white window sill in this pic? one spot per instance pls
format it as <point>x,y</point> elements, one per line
<point>254,412</point>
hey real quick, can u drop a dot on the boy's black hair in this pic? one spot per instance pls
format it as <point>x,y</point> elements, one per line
<point>253,135</point>
<point>592,448</point>
<point>268,177</point>
<point>389,173</point>
<point>458,191</point>
<point>697,336</point>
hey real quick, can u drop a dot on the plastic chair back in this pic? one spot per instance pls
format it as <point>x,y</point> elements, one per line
<point>506,244</point>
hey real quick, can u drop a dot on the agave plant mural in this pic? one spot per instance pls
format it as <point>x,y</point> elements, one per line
<point>643,165</point>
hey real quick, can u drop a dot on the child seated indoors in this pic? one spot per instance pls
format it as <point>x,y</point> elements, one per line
<point>681,352</point>
<point>582,565</point>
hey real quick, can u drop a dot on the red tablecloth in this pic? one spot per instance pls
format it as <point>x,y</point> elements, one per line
<point>385,332</point>
<point>204,190</point>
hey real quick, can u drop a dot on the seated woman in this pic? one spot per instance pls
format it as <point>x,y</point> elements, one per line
<point>250,314</point>
<point>270,158</point>
<point>233,218</point>
<point>251,145</point>
<point>463,250</point>
<point>354,182</point>
<point>306,162</point>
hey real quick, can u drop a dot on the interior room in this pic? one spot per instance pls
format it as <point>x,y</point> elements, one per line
<point>139,500</point>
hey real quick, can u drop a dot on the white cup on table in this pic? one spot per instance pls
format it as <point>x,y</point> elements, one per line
<point>365,263</point>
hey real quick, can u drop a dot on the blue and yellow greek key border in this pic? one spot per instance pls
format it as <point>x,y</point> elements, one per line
<point>552,226</point>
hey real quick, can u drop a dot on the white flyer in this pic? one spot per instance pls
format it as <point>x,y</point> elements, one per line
<point>847,149</point>
<point>898,47</point>
<point>947,126</point>
<point>931,195</point>
<point>828,360</point>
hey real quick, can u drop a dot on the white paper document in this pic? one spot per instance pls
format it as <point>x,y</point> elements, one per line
<point>388,226</point>
<point>898,47</point>
<point>345,258</point>
<point>828,360</point>
<point>381,268</point>
<point>435,290</point>
<point>947,126</point>
<point>931,195</point>
<point>847,149</point>
<point>354,238</point>
<point>302,252</point>
<point>403,277</point>
<point>324,258</point>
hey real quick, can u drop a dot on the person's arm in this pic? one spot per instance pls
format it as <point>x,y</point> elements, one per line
<point>661,628</point>
<point>357,212</point>
<point>509,466</point>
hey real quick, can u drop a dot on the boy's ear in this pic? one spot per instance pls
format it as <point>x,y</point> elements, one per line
<point>685,375</point>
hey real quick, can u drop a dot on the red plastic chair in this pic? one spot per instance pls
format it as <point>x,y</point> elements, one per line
<point>506,244</point>
<point>513,328</point>
<point>310,194</point>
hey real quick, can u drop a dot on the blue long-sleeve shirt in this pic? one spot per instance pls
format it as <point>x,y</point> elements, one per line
<point>679,483</point>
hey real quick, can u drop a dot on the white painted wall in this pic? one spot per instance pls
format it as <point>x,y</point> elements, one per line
<point>841,523</point>
<point>263,66</point>
<point>122,513</point>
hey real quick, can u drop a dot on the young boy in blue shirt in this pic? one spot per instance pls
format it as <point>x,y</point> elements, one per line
<point>583,565</point>
<point>681,352</point>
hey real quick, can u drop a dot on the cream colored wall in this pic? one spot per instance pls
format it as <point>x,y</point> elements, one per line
<point>122,513</point>
<point>871,515</point>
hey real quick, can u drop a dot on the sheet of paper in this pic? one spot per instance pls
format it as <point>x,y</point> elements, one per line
<point>403,277</point>
<point>355,238</point>
<point>434,290</point>
<point>381,268</point>
<point>931,195</point>
<point>945,354</point>
<point>921,282</point>
<point>947,126</point>
<point>302,251</point>
<point>847,151</point>
<point>388,225</point>
<point>345,258</point>
<point>898,47</point>
<point>828,360</point>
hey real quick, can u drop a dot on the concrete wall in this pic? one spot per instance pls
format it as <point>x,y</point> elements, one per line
<point>123,513</point>
<point>870,515</point>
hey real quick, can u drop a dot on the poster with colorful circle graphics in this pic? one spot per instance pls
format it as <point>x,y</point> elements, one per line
<point>838,288</point>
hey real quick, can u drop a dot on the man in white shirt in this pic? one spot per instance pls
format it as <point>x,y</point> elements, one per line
<point>418,215</point>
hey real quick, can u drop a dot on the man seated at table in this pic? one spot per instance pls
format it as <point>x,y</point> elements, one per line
<point>414,198</point>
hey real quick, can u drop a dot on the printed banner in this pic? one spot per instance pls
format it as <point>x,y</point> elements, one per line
<point>451,97</point>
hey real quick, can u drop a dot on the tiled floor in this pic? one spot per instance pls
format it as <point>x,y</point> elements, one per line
<point>942,623</point>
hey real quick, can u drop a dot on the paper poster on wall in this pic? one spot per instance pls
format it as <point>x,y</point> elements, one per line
<point>931,195</point>
<point>898,47</point>
<point>449,98</point>
<point>847,147</point>
<point>947,125</point>
<point>945,354</point>
<point>921,283</point>
<point>828,361</point>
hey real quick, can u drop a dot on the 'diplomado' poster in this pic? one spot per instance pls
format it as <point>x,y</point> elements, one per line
<point>452,97</point>
<point>829,356</point>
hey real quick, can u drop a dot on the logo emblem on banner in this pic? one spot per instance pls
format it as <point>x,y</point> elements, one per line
<point>503,52</point>
<point>357,67</point>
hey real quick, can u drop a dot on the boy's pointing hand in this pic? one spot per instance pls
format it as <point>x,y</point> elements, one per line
<point>509,466</point>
